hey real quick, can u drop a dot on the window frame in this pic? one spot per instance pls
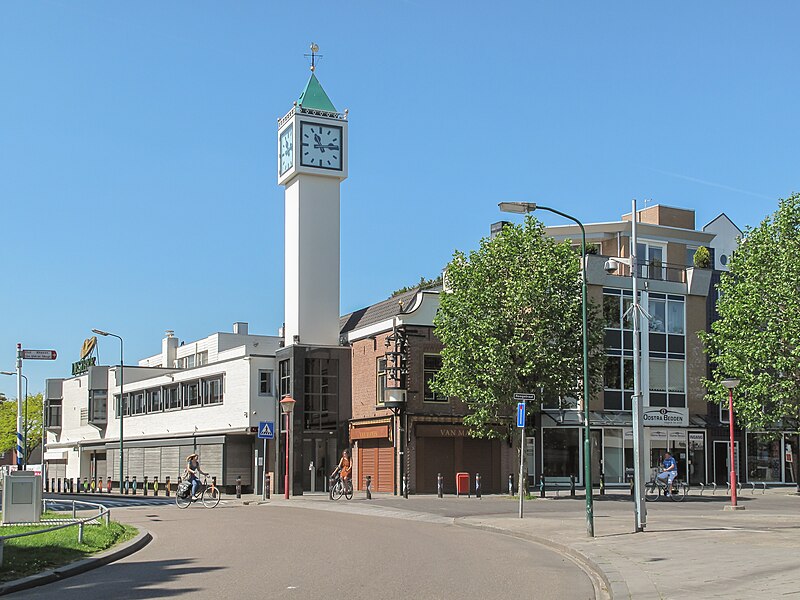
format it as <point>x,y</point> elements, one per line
<point>436,398</point>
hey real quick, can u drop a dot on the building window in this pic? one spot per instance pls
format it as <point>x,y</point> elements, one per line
<point>171,400</point>
<point>154,400</point>
<point>763,457</point>
<point>137,405</point>
<point>125,405</point>
<point>265,382</point>
<point>212,390</point>
<point>202,358</point>
<point>54,413</point>
<point>723,413</point>
<point>188,362</point>
<point>650,258</point>
<point>690,251</point>
<point>432,364</point>
<point>618,374</point>
<point>667,382</point>
<point>321,399</point>
<point>98,406</point>
<point>381,382</point>
<point>190,394</point>
<point>561,451</point>
<point>284,378</point>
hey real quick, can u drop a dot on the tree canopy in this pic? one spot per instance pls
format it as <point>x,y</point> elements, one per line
<point>8,424</point>
<point>510,321</point>
<point>757,336</point>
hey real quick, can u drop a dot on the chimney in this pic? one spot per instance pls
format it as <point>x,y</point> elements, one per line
<point>169,349</point>
<point>240,328</point>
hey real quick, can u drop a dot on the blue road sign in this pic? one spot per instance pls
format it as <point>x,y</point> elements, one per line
<point>266,430</point>
<point>521,414</point>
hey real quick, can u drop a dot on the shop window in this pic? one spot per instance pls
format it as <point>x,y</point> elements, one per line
<point>763,457</point>
<point>432,365</point>
<point>264,382</point>
<point>561,452</point>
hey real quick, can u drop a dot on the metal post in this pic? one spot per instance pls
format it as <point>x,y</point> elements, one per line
<point>264,478</point>
<point>521,467</point>
<point>166,486</point>
<point>73,509</point>
<point>286,474</point>
<point>127,485</point>
<point>541,486</point>
<point>405,486</point>
<point>19,407</point>
<point>145,485</point>
<point>733,446</point>
<point>477,485</point>
<point>238,486</point>
<point>602,483</point>
<point>572,486</point>
<point>638,429</point>
<point>510,484</point>
<point>80,532</point>
<point>439,485</point>
<point>369,487</point>
<point>155,486</point>
<point>267,486</point>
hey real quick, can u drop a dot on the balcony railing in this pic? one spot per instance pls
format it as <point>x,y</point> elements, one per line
<point>654,270</point>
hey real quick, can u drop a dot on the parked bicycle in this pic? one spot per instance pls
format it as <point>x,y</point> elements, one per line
<point>340,487</point>
<point>207,493</point>
<point>656,488</point>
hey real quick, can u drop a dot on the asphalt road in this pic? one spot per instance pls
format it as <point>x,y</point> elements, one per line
<point>282,552</point>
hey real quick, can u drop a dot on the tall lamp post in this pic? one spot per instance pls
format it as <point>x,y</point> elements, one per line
<point>287,406</point>
<point>729,384</point>
<point>524,208</point>
<point>121,397</point>
<point>25,426</point>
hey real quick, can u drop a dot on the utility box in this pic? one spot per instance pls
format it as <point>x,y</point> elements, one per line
<point>462,484</point>
<point>22,498</point>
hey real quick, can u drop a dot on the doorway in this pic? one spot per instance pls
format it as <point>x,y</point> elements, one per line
<point>697,457</point>
<point>319,457</point>
<point>722,461</point>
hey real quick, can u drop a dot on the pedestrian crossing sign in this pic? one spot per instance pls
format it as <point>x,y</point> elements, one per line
<point>266,430</point>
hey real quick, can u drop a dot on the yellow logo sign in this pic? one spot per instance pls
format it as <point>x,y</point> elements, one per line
<point>88,346</point>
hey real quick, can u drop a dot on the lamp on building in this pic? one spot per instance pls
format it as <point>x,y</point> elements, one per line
<point>287,406</point>
<point>121,406</point>
<point>524,208</point>
<point>730,383</point>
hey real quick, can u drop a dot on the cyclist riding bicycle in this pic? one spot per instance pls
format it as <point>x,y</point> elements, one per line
<point>344,468</point>
<point>669,471</point>
<point>192,469</point>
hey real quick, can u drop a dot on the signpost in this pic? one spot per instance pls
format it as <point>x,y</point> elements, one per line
<point>39,354</point>
<point>266,431</point>
<point>22,441</point>
<point>521,400</point>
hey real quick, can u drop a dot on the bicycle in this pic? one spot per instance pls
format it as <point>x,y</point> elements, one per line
<point>340,487</point>
<point>208,494</point>
<point>655,488</point>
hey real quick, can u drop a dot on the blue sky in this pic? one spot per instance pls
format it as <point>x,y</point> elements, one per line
<point>137,143</point>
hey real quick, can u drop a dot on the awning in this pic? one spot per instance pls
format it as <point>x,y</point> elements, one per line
<point>55,454</point>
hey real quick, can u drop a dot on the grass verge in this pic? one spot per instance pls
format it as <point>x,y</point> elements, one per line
<point>36,553</point>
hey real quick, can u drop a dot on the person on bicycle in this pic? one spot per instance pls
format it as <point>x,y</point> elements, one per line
<point>345,467</point>
<point>669,471</point>
<point>192,469</point>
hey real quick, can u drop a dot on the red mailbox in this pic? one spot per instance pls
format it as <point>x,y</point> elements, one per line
<point>462,484</point>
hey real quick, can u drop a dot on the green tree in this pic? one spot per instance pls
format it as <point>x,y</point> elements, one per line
<point>8,424</point>
<point>757,336</point>
<point>510,321</point>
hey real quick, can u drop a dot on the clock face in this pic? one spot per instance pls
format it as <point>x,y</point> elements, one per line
<point>321,146</point>
<point>286,149</point>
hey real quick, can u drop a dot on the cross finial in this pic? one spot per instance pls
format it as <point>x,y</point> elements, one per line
<point>314,55</point>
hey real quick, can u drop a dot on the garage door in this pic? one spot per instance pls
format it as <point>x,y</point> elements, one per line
<point>376,459</point>
<point>436,455</point>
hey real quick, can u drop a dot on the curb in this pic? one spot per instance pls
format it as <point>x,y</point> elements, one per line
<point>79,566</point>
<point>607,583</point>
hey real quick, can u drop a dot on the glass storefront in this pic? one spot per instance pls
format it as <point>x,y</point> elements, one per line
<point>790,458</point>
<point>613,456</point>
<point>772,457</point>
<point>561,452</point>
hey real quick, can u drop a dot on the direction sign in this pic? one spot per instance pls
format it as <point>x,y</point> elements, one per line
<point>524,397</point>
<point>521,414</point>
<point>39,354</point>
<point>266,430</point>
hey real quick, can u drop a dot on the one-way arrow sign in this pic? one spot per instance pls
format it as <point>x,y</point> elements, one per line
<point>266,430</point>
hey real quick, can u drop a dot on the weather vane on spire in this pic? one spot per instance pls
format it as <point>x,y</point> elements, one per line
<point>314,55</point>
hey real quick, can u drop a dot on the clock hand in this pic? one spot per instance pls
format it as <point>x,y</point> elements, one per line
<point>317,138</point>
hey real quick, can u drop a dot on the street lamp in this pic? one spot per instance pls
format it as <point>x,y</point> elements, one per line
<point>121,397</point>
<point>731,383</point>
<point>287,406</point>
<point>25,427</point>
<point>526,207</point>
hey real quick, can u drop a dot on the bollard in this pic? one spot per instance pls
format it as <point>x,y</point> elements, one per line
<point>80,532</point>
<point>572,486</point>
<point>764,489</point>
<point>477,485</point>
<point>59,485</point>
<point>144,487</point>
<point>753,491</point>
<point>714,491</point>
<point>440,485</point>
<point>541,486</point>
<point>93,484</point>
<point>134,485</point>
<point>510,484</point>
<point>267,484</point>
<point>738,487</point>
<point>702,488</point>
<point>71,490</point>
<point>73,509</point>
<point>85,485</point>
<point>238,486</point>
<point>602,484</point>
<point>155,486</point>
<point>108,485</point>
<point>405,486</point>
<point>213,482</point>
<point>127,485</point>
<point>166,486</point>
<point>53,485</point>
<point>369,487</point>
<point>46,484</point>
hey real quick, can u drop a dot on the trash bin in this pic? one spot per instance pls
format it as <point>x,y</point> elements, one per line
<point>462,484</point>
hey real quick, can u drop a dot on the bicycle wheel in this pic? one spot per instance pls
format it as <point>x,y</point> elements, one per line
<point>679,491</point>
<point>348,490</point>
<point>211,497</point>
<point>183,502</point>
<point>651,491</point>
<point>337,490</point>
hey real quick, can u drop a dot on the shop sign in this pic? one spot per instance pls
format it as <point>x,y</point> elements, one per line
<point>658,434</point>
<point>82,366</point>
<point>677,435</point>
<point>697,438</point>
<point>665,417</point>
<point>369,432</point>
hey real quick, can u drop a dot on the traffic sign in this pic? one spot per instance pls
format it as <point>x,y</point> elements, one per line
<point>521,414</point>
<point>39,354</point>
<point>524,397</point>
<point>266,430</point>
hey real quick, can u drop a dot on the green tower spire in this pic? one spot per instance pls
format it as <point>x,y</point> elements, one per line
<point>314,97</point>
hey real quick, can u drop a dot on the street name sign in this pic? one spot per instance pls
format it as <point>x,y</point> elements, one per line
<point>524,397</point>
<point>39,354</point>
<point>266,430</point>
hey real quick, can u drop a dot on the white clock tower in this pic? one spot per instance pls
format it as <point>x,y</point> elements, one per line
<point>312,163</point>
